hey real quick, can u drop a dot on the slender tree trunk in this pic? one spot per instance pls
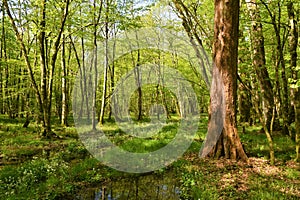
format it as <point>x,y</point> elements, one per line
<point>295,92</point>
<point>297,123</point>
<point>64,91</point>
<point>6,90</point>
<point>112,74</point>
<point>139,86</point>
<point>2,56</point>
<point>268,130</point>
<point>1,91</point>
<point>259,62</point>
<point>187,21</point>
<point>95,81</point>
<point>284,109</point>
<point>157,100</point>
<point>43,69</point>
<point>95,70</point>
<point>53,64</point>
<point>267,114</point>
<point>160,88</point>
<point>277,89</point>
<point>175,101</point>
<point>138,79</point>
<point>82,80</point>
<point>225,56</point>
<point>44,92</point>
<point>244,100</point>
<point>25,55</point>
<point>106,66</point>
<point>47,130</point>
<point>20,99</point>
<point>285,92</point>
<point>164,101</point>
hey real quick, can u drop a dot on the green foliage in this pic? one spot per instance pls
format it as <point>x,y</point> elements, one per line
<point>23,181</point>
<point>35,168</point>
<point>68,169</point>
<point>255,144</point>
<point>195,186</point>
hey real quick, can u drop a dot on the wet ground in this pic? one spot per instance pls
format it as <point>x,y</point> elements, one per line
<point>151,186</point>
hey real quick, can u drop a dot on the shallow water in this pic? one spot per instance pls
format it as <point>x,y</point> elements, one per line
<point>148,187</point>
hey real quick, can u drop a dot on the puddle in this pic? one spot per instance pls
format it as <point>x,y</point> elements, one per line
<point>148,187</point>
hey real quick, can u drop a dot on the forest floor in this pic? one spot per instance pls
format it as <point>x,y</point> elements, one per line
<point>35,168</point>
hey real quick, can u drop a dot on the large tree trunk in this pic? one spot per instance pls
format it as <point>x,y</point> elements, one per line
<point>225,56</point>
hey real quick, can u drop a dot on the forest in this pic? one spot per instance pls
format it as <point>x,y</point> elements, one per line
<point>150,99</point>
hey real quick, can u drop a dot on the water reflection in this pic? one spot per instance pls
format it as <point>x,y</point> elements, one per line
<point>152,187</point>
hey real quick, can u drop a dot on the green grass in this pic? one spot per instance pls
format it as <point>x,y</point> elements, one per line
<point>35,168</point>
<point>256,145</point>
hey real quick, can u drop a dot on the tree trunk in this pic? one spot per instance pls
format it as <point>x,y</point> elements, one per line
<point>84,76</point>
<point>160,74</point>
<point>26,57</point>
<point>106,66</point>
<point>112,72</point>
<point>64,91</point>
<point>55,51</point>
<point>4,83</point>
<point>3,56</point>
<point>82,91</point>
<point>83,69</point>
<point>95,70</point>
<point>225,56</point>
<point>106,63</point>
<point>267,114</point>
<point>259,62</point>
<point>284,109</point>
<point>189,22</point>
<point>43,68</point>
<point>285,92</point>
<point>297,124</point>
<point>44,91</point>
<point>138,79</point>
<point>295,92</point>
<point>244,100</point>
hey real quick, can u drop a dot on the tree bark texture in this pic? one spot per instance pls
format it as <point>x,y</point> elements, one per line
<point>225,56</point>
